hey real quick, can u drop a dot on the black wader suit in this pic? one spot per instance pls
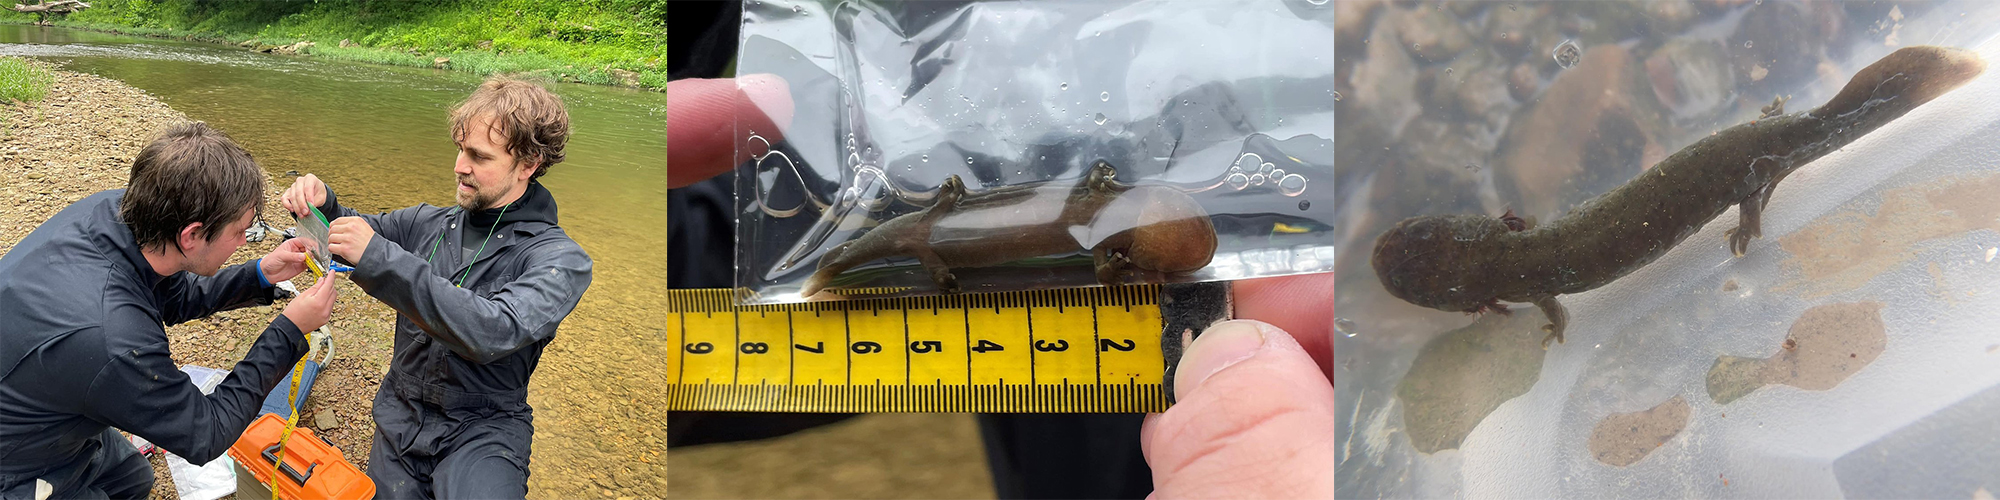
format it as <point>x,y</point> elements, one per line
<point>83,350</point>
<point>452,418</point>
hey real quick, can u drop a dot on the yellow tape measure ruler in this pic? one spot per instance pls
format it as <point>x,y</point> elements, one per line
<point>1071,350</point>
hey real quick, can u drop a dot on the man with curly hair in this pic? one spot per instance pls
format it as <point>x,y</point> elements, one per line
<point>478,289</point>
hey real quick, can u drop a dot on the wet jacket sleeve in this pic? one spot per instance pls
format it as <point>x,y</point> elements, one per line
<point>187,296</point>
<point>396,226</point>
<point>143,392</point>
<point>479,329</point>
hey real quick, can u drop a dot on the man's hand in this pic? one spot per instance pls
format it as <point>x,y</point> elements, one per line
<point>349,238</point>
<point>1253,414</point>
<point>284,262</point>
<point>312,307</point>
<point>706,117</point>
<point>306,192</point>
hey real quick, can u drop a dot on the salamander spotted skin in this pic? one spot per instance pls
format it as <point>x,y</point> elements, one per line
<point>1126,228</point>
<point>1471,262</point>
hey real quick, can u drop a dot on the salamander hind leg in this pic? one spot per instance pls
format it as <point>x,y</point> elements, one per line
<point>1749,223</point>
<point>1558,319</point>
<point>948,195</point>
<point>940,274</point>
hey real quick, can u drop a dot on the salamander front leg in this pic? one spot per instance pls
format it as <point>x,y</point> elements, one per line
<point>1103,178</point>
<point>1111,265</point>
<point>1558,319</point>
<point>1749,224</point>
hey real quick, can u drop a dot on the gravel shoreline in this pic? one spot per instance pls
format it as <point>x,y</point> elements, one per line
<point>80,140</point>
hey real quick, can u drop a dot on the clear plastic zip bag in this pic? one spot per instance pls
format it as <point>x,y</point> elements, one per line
<point>1074,143</point>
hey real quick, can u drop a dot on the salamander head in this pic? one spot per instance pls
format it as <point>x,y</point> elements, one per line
<point>1172,233</point>
<point>1440,261</point>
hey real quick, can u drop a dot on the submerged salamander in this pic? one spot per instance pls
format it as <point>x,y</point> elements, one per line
<point>1472,262</point>
<point>1145,228</point>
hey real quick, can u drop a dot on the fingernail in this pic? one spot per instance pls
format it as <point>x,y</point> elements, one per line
<point>1222,345</point>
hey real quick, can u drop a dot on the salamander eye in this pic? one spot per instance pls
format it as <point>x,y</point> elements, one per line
<point>1514,222</point>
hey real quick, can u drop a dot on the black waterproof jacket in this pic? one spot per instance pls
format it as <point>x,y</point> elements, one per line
<point>82,348</point>
<point>476,345</point>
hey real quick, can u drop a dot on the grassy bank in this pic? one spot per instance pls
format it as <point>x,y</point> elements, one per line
<point>20,81</point>
<point>605,42</point>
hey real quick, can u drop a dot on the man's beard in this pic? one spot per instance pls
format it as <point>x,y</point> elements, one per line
<point>479,199</point>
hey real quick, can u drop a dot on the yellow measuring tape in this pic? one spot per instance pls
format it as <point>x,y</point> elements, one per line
<point>291,419</point>
<point>1071,350</point>
<point>292,398</point>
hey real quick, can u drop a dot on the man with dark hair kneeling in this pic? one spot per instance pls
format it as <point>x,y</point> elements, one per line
<point>478,290</point>
<point>83,303</point>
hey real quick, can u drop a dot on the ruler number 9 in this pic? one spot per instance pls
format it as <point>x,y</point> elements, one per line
<point>700,348</point>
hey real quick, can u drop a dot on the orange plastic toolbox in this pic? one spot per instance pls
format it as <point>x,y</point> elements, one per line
<point>312,468</point>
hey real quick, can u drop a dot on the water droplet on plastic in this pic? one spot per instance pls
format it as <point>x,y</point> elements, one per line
<point>1336,96</point>
<point>1471,168</point>
<point>798,9</point>
<point>1567,54</point>
<point>1293,185</point>
<point>1303,204</point>
<point>1447,72</point>
<point>1277,172</point>
<point>1266,168</point>
<point>1512,6</point>
<point>927,158</point>
<point>1104,96</point>
<point>1064,86</point>
<point>1317,2</point>
<point>1238,180</point>
<point>1256,179</point>
<point>1746,44</point>
<point>968,160</point>
<point>1345,327</point>
<point>1099,33</point>
<point>1100,119</point>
